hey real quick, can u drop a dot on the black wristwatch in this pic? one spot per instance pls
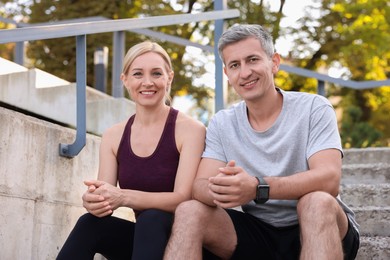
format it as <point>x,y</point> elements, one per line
<point>262,191</point>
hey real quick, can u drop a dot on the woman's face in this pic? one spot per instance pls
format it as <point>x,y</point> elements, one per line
<point>148,79</point>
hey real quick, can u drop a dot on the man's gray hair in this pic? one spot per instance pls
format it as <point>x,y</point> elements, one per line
<point>239,32</point>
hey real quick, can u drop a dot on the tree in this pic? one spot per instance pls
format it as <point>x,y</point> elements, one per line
<point>357,133</point>
<point>58,56</point>
<point>8,12</point>
<point>354,36</point>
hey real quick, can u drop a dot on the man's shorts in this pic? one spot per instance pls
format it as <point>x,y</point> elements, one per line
<point>259,240</point>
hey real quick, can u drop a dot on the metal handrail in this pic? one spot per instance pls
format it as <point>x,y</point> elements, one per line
<point>42,32</point>
<point>71,150</point>
<point>338,81</point>
<point>80,30</point>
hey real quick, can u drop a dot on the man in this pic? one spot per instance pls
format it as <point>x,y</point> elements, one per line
<point>277,154</point>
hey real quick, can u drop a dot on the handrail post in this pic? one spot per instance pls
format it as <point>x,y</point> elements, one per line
<point>19,49</point>
<point>321,88</point>
<point>19,53</point>
<point>71,150</point>
<point>219,98</point>
<point>118,53</point>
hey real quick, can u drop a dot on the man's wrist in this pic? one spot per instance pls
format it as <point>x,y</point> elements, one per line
<point>262,191</point>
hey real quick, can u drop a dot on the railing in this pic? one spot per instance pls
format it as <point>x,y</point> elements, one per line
<point>80,30</point>
<point>118,27</point>
<point>322,78</point>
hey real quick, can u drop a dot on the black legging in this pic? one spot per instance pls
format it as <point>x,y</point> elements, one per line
<point>117,238</point>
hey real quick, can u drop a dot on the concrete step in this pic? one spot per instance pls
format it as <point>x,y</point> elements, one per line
<point>374,248</point>
<point>369,173</point>
<point>371,248</point>
<point>366,155</point>
<point>366,189</point>
<point>361,195</point>
<point>53,98</point>
<point>373,221</point>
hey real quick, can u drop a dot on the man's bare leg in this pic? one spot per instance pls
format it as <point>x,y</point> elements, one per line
<point>323,225</point>
<point>197,225</point>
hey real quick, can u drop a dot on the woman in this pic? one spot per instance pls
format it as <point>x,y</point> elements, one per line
<point>153,156</point>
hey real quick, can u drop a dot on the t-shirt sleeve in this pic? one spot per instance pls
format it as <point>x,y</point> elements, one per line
<point>214,146</point>
<point>323,133</point>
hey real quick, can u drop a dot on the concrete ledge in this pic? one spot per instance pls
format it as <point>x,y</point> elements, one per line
<point>56,100</point>
<point>40,192</point>
<point>104,113</point>
<point>8,67</point>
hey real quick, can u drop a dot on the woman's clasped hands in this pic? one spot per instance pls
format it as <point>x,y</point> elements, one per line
<point>101,198</point>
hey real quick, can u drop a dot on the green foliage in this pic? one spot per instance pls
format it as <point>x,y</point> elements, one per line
<point>356,133</point>
<point>57,56</point>
<point>353,35</point>
<point>6,50</point>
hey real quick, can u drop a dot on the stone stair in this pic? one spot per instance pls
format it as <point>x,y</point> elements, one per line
<point>365,187</point>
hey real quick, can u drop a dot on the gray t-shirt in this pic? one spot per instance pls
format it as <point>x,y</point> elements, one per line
<point>307,124</point>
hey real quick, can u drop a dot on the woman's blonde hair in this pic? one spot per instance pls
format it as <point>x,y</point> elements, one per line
<point>142,48</point>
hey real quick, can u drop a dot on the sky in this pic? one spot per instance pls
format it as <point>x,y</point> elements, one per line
<point>293,10</point>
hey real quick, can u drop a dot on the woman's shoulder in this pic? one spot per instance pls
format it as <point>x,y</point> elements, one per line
<point>185,121</point>
<point>115,131</point>
<point>189,132</point>
<point>111,139</point>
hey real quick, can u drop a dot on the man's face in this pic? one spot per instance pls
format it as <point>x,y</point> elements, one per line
<point>249,69</point>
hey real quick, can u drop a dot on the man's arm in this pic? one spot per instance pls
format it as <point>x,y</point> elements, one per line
<point>324,174</point>
<point>230,186</point>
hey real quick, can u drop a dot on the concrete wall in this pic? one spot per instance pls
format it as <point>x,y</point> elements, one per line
<point>40,192</point>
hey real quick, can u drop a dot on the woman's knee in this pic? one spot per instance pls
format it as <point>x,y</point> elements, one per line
<point>91,224</point>
<point>87,221</point>
<point>151,216</point>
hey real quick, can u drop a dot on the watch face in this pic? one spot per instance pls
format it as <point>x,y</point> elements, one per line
<point>262,193</point>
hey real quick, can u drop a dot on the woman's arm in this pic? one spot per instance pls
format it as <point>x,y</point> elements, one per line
<point>93,199</point>
<point>190,138</point>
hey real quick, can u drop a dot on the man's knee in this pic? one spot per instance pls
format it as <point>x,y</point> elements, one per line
<point>188,208</point>
<point>317,202</point>
<point>191,212</point>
